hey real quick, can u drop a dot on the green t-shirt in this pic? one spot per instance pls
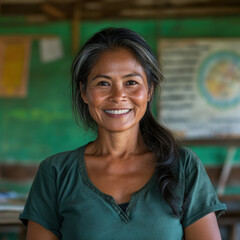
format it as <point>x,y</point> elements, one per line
<point>64,200</point>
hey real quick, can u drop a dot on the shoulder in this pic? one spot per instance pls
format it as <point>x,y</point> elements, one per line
<point>189,160</point>
<point>59,162</point>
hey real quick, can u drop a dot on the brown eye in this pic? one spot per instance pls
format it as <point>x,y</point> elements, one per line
<point>103,83</point>
<point>131,82</point>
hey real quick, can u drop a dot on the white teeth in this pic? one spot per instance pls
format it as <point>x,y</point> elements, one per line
<point>117,111</point>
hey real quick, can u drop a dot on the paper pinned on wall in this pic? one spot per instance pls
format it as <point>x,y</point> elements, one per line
<point>51,49</point>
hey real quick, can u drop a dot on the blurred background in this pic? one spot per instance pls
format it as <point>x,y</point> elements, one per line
<point>198,45</point>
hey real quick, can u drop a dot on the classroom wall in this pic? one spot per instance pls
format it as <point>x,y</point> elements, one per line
<point>42,124</point>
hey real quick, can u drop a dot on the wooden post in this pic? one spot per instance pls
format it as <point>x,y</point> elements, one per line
<point>226,170</point>
<point>76,24</point>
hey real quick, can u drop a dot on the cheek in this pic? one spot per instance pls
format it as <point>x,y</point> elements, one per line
<point>95,97</point>
<point>140,96</point>
<point>94,101</point>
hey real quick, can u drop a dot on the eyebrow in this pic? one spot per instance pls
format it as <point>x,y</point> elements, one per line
<point>125,76</point>
<point>100,76</point>
<point>133,75</point>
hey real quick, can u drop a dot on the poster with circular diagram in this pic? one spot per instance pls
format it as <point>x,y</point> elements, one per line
<point>200,96</point>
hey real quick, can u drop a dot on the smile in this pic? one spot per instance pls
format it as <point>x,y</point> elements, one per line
<point>117,112</point>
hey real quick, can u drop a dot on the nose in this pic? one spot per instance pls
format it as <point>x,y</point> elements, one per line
<point>118,93</point>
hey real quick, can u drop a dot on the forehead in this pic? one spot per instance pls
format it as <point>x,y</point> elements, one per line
<point>120,51</point>
<point>118,59</point>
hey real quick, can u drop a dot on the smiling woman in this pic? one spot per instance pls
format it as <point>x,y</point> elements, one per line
<point>117,91</point>
<point>133,181</point>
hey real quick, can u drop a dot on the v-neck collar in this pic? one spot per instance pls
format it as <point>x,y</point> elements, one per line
<point>124,216</point>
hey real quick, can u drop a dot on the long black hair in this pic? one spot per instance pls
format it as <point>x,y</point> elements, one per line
<point>156,137</point>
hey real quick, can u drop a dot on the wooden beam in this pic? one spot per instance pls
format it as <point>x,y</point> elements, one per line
<point>53,11</point>
<point>93,6</point>
<point>37,18</point>
<point>230,198</point>
<point>121,9</point>
<point>33,37</point>
<point>171,2</point>
<point>185,2</point>
<point>22,1</point>
<point>211,142</point>
<point>34,1</point>
<point>179,12</point>
<point>18,172</point>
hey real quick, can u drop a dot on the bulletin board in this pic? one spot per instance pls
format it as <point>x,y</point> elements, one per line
<point>200,96</point>
<point>14,65</point>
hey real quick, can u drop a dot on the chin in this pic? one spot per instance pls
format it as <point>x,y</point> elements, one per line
<point>118,128</point>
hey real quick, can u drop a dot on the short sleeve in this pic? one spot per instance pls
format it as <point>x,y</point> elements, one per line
<point>42,205</point>
<point>200,197</point>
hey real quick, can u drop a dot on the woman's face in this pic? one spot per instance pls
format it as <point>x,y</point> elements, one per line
<point>117,91</point>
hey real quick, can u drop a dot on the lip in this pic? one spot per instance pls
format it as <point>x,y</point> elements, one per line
<point>117,113</point>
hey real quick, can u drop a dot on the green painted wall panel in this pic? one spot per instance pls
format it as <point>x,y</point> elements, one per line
<point>41,124</point>
<point>31,128</point>
<point>200,27</point>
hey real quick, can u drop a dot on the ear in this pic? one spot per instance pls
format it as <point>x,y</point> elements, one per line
<point>83,94</point>
<point>150,93</point>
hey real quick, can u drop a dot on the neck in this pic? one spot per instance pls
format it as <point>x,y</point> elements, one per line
<point>118,144</point>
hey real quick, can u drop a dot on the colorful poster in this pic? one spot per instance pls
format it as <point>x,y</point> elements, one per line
<point>14,66</point>
<point>201,92</point>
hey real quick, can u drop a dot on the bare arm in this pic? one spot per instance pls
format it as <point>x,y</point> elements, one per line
<point>37,232</point>
<point>205,228</point>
